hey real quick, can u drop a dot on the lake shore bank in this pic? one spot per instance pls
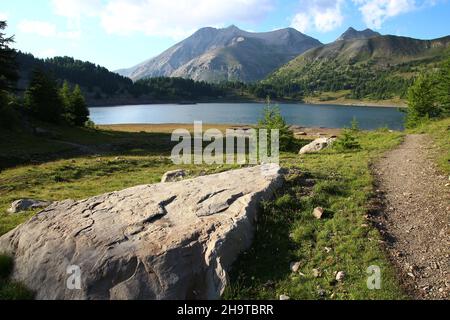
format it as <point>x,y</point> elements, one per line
<point>170,127</point>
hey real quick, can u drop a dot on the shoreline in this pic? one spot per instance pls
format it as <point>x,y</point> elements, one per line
<point>348,103</point>
<point>168,128</point>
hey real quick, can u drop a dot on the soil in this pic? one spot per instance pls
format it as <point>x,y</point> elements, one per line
<point>415,217</point>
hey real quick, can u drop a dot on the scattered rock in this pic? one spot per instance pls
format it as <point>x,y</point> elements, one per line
<point>173,176</point>
<point>143,243</point>
<point>27,204</point>
<point>317,273</point>
<point>327,249</point>
<point>340,276</point>
<point>284,297</point>
<point>322,293</point>
<point>295,266</point>
<point>318,213</point>
<point>317,145</point>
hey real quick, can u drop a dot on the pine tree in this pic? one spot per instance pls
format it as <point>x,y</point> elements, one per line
<point>422,98</point>
<point>8,67</point>
<point>8,79</point>
<point>79,107</point>
<point>42,98</point>
<point>66,99</point>
<point>443,94</point>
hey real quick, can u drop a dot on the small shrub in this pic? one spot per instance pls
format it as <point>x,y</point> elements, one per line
<point>347,142</point>
<point>273,120</point>
<point>285,201</point>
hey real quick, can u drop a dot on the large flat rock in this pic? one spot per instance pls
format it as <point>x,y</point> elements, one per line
<point>162,241</point>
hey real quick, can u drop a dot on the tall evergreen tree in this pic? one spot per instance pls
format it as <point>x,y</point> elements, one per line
<point>66,99</point>
<point>8,67</point>
<point>79,107</point>
<point>443,94</point>
<point>42,98</point>
<point>8,79</point>
<point>422,100</point>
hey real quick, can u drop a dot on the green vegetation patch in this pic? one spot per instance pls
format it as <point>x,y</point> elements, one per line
<point>343,240</point>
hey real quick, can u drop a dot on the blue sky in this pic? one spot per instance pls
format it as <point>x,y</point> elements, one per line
<point>122,33</point>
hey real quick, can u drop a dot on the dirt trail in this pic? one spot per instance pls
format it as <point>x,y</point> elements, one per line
<point>416,217</point>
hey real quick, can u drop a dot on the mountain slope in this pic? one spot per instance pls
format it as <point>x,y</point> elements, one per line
<point>225,54</point>
<point>352,34</point>
<point>378,67</point>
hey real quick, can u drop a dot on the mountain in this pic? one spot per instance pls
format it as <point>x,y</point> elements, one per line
<point>216,55</point>
<point>352,34</point>
<point>380,67</point>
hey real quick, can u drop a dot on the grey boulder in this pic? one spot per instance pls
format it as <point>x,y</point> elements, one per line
<point>317,145</point>
<point>163,241</point>
<point>27,204</point>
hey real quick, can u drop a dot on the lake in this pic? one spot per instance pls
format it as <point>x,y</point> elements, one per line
<point>328,116</point>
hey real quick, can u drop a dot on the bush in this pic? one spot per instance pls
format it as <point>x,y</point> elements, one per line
<point>347,141</point>
<point>273,120</point>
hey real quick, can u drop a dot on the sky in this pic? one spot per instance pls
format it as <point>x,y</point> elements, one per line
<point>122,33</point>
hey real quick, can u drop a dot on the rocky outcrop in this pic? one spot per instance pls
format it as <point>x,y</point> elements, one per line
<point>317,145</point>
<point>27,204</point>
<point>163,241</point>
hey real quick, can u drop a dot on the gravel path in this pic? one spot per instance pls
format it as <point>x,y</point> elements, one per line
<point>415,198</point>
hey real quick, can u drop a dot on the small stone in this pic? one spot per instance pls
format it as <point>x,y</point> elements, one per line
<point>321,292</point>
<point>340,276</point>
<point>317,273</point>
<point>173,176</point>
<point>27,204</point>
<point>284,297</point>
<point>318,213</point>
<point>327,249</point>
<point>295,266</point>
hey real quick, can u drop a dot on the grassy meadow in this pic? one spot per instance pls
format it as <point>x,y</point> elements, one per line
<point>80,163</point>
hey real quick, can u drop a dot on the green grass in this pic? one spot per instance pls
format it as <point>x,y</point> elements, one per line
<point>342,184</point>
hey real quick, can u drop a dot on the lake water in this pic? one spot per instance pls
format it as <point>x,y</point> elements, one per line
<point>329,116</point>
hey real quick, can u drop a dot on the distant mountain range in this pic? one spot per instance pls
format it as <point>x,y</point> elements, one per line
<point>282,64</point>
<point>228,54</point>
<point>377,67</point>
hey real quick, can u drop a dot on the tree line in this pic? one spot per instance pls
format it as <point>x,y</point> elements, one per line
<point>44,98</point>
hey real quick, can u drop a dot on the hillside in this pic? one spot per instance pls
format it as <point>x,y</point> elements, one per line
<point>103,87</point>
<point>216,55</point>
<point>379,67</point>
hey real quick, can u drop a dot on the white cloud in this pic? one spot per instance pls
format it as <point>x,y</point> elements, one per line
<point>376,12</point>
<point>76,8</point>
<point>163,17</point>
<point>46,30</point>
<point>321,15</point>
